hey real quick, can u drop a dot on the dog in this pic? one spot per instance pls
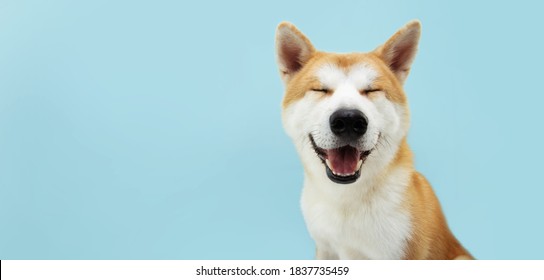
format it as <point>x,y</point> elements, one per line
<point>348,117</point>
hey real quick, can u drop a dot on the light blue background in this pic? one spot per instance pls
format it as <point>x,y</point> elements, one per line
<point>151,130</point>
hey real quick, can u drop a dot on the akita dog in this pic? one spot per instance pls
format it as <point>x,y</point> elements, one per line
<point>348,117</point>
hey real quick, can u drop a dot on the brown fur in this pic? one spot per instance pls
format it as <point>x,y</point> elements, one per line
<point>302,81</point>
<point>432,238</point>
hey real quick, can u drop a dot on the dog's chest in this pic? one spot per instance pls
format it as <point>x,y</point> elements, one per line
<point>352,228</point>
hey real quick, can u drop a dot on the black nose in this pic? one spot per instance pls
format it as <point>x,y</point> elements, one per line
<point>349,124</point>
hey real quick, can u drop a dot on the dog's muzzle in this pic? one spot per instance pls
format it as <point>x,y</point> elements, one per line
<point>343,163</point>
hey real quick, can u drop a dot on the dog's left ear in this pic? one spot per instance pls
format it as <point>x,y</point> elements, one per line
<point>400,50</point>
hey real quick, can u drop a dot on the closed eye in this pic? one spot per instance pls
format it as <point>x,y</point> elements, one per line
<point>369,90</point>
<point>323,90</point>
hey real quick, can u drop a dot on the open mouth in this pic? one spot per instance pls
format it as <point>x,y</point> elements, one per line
<point>343,164</point>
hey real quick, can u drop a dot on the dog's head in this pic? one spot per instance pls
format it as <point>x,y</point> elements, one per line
<point>346,113</point>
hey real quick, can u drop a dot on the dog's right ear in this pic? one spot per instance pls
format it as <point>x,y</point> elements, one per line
<point>293,50</point>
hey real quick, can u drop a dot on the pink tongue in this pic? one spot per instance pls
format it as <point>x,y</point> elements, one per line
<point>343,160</point>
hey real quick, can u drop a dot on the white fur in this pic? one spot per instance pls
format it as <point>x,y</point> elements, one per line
<point>360,76</point>
<point>365,219</point>
<point>357,222</point>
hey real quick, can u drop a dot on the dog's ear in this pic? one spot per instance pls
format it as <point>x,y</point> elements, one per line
<point>400,50</point>
<point>293,50</point>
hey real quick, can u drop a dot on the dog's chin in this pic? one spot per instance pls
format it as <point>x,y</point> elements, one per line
<point>342,164</point>
<point>339,179</point>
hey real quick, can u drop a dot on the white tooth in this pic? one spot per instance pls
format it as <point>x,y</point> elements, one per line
<point>328,163</point>
<point>359,165</point>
